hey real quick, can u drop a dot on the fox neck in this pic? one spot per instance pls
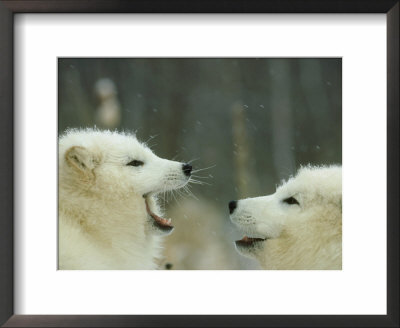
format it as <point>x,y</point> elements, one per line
<point>122,219</point>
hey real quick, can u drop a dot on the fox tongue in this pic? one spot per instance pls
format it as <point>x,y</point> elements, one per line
<point>158,219</point>
<point>246,239</point>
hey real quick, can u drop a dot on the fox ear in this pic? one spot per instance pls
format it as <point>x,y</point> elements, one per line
<point>81,160</point>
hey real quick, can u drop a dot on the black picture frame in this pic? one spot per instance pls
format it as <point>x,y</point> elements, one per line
<point>10,7</point>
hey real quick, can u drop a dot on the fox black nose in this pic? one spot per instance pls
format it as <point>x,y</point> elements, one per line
<point>232,206</point>
<point>187,169</point>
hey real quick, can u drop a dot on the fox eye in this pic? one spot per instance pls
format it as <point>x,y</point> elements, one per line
<point>291,201</point>
<point>135,163</point>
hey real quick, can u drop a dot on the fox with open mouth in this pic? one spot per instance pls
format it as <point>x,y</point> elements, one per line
<point>299,227</point>
<point>108,184</point>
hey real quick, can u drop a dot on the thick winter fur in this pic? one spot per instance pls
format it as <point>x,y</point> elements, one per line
<point>103,222</point>
<point>303,235</point>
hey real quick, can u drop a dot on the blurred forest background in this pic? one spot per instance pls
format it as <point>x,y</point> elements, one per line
<point>251,121</point>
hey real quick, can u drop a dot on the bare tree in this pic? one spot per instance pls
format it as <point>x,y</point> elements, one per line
<point>282,125</point>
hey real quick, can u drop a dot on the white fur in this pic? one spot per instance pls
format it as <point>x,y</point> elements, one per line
<point>305,236</point>
<point>103,222</point>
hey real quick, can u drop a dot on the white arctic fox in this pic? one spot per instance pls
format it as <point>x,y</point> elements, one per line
<point>299,226</point>
<point>108,214</point>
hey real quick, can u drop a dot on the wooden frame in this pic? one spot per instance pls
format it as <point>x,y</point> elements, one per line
<point>7,10</point>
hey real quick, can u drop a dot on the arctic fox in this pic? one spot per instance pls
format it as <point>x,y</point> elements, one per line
<point>108,212</point>
<point>299,226</point>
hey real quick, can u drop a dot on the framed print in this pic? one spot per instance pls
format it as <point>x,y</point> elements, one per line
<point>234,119</point>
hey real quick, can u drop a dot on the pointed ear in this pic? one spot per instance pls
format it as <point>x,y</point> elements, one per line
<point>81,160</point>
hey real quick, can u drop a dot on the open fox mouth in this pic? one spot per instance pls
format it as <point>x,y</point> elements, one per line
<point>248,241</point>
<point>159,222</point>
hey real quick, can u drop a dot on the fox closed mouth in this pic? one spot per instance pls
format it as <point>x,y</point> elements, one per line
<point>161,223</point>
